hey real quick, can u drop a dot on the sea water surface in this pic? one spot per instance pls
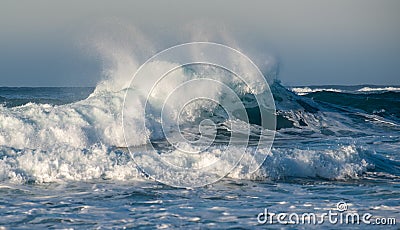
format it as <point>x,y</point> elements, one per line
<point>61,165</point>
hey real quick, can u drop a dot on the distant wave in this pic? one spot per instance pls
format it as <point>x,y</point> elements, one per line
<point>370,89</point>
<point>306,90</point>
<point>303,90</point>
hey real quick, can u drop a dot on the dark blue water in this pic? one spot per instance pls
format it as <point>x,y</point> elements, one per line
<point>16,96</point>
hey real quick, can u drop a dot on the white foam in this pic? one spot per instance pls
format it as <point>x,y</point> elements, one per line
<point>63,162</point>
<point>307,90</point>
<point>80,125</point>
<point>369,89</point>
<point>342,163</point>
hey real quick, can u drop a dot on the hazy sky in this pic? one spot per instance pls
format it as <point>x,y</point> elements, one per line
<point>42,43</point>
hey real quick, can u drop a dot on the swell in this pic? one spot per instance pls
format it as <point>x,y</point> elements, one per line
<point>386,104</point>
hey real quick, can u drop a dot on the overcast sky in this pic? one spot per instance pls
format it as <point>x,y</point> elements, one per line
<point>317,42</point>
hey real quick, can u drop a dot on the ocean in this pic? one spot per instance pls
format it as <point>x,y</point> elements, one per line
<point>64,162</point>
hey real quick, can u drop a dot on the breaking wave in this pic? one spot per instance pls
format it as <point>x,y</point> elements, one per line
<point>53,141</point>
